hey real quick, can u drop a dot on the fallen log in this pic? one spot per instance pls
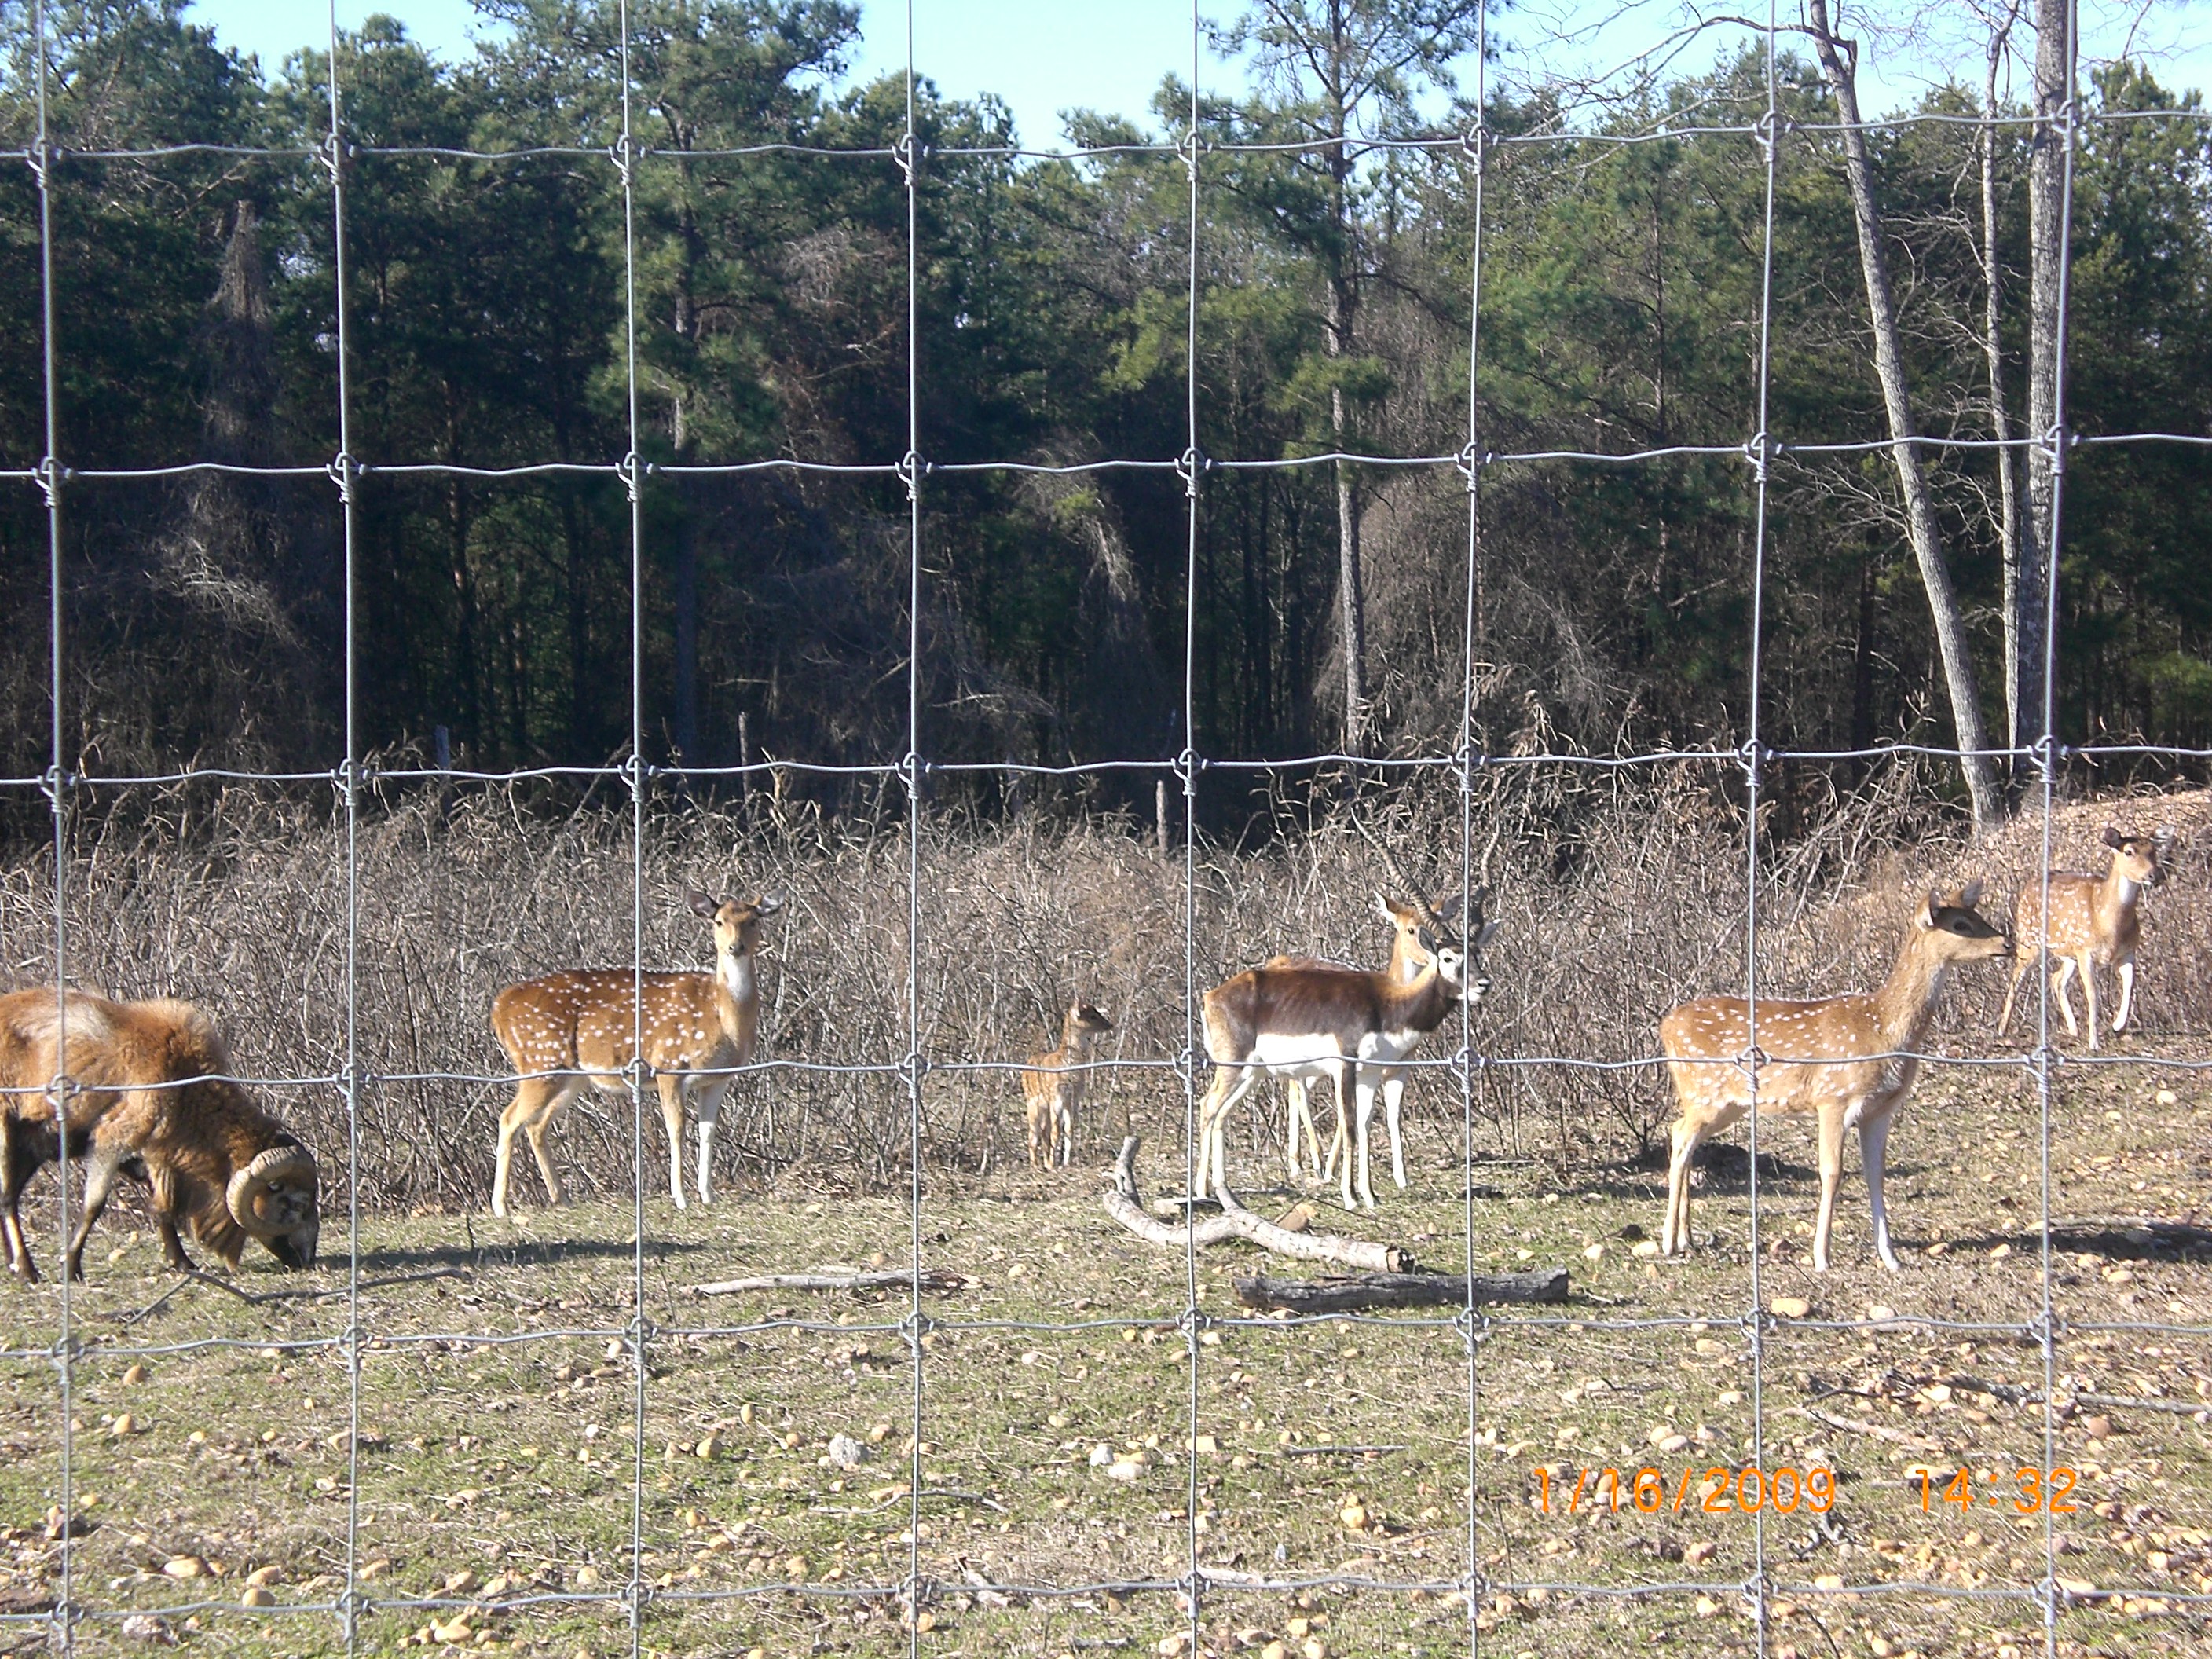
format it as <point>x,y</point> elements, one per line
<point>1127,1206</point>
<point>884,1278</point>
<point>1394,1290</point>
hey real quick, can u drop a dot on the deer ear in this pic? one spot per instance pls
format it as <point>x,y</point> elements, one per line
<point>1447,907</point>
<point>2112,835</point>
<point>1384,908</point>
<point>1489,932</point>
<point>1928,911</point>
<point>1971,894</point>
<point>766,904</point>
<point>702,905</point>
<point>2167,835</point>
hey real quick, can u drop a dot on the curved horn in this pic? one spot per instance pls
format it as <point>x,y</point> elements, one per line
<point>251,1195</point>
<point>1417,896</point>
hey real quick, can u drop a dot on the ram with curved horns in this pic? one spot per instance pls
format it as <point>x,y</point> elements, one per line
<point>147,1097</point>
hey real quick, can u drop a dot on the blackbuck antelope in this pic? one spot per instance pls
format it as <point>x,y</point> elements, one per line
<point>2093,925</point>
<point>1414,922</point>
<point>581,1026</point>
<point>1842,1059</point>
<point>1054,1086</point>
<point>1310,1022</point>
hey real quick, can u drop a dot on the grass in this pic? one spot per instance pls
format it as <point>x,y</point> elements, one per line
<point>499,1425</point>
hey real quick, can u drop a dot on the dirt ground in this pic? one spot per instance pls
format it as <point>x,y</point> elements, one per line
<point>501,1430</point>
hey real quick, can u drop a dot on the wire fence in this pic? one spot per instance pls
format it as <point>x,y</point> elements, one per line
<point>2041,1325</point>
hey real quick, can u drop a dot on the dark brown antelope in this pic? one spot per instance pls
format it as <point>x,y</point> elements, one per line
<point>1843,1058</point>
<point>1315,1022</point>
<point>580,1027</point>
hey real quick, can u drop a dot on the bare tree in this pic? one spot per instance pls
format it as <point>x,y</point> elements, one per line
<point>1838,66</point>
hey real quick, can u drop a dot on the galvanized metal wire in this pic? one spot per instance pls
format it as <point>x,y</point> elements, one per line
<point>2046,1329</point>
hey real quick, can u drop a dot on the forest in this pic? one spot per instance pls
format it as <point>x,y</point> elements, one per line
<point>1621,271</point>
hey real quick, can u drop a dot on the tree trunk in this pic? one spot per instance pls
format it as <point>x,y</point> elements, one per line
<point>2046,239</point>
<point>1348,580</point>
<point>2023,601</point>
<point>1912,476</point>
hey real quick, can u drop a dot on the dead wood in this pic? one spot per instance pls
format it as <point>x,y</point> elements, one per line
<point>1394,1290</point>
<point>1127,1206</point>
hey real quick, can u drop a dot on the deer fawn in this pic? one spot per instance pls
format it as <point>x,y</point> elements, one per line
<point>1312,1022</point>
<point>1839,1058</point>
<point>579,1026</point>
<point>1408,955</point>
<point>2093,925</point>
<point>1051,1092</point>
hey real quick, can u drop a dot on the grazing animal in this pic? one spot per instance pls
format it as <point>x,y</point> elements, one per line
<point>1842,1059</point>
<point>1414,922</point>
<point>147,1099</point>
<point>1051,1093</point>
<point>579,1026</point>
<point>1314,1022</point>
<point>2093,924</point>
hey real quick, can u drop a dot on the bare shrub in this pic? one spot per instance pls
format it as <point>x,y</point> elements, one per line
<point>1620,892</point>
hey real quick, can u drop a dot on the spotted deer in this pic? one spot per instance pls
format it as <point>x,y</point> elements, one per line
<point>2093,924</point>
<point>1314,1022</point>
<point>1412,921</point>
<point>1846,1060</point>
<point>1052,1086</point>
<point>580,1027</point>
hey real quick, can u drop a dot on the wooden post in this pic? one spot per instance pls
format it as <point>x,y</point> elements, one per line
<point>1160,813</point>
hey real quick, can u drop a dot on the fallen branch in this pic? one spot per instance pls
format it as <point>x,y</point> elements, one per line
<point>1879,1432</point>
<point>1401,1290</point>
<point>2130,1402</point>
<point>1127,1206</point>
<point>884,1278</point>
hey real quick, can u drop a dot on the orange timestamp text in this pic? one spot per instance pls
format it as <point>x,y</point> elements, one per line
<point>1715,1491</point>
<point>2024,1492</point>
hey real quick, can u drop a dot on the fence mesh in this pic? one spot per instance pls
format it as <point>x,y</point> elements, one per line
<point>1472,1326</point>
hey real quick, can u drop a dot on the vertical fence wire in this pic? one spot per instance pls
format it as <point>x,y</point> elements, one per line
<point>343,473</point>
<point>1758,450</point>
<point>2045,1056</point>
<point>1187,763</point>
<point>1471,1333</point>
<point>59,1088</point>
<point>916,1322</point>
<point>626,164</point>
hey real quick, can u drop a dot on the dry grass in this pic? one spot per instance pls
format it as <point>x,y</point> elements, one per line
<point>483,1457</point>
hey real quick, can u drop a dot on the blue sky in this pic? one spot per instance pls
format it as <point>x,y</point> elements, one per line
<point>1045,56</point>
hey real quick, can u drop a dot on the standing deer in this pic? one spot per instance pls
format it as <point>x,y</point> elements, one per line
<point>1843,1058</point>
<point>1312,1022</point>
<point>1414,921</point>
<point>2093,925</point>
<point>579,1026</point>
<point>1054,1086</point>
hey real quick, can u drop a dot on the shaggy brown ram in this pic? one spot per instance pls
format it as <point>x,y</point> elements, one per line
<point>146,1100</point>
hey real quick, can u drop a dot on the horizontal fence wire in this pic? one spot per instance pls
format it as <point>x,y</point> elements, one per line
<point>81,1339</point>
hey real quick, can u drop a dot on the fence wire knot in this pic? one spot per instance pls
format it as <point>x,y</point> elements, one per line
<point>51,473</point>
<point>1187,765</point>
<point>332,153</point>
<point>1470,461</point>
<point>1189,148</point>
<point>629,471</point>
<point>1475,143</point>
<point>623,152</point>
<point>913,1325</point>
<point>912,469</point>
<point>1760,449</point>
<point>341,471</point>
<point>1770,126</point>
<point>1188,464</point>
<point>908,150</point>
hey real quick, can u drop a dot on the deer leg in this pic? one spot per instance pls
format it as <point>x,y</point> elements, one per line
<point>2020,969</point>
<point>1062,1151</point>
<point>1362,1103</point>
<point>1831,1174</point>
<point>536,1098</point>
<point>1338,1145</point>
<point>672,1115</point>
<point>1874,1142</point>
<point>2127,972</point>
<point>2059,976</point>
<point>1034,1111</point>
<point>1674,1228</point>
<point>709,1104</point>
<point>2089,996</point>
<point>1294,1090</point>
<point>1393,1096</point>
<point>1230,1084</point>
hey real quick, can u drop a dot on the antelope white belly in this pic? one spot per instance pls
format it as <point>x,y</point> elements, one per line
<point>1290,1054</point>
